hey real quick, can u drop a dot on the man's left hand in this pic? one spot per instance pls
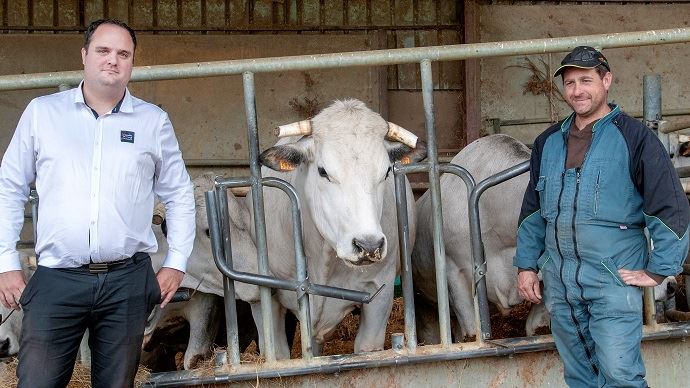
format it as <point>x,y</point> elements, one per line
<point>169,280</point>
<point>640,278</point>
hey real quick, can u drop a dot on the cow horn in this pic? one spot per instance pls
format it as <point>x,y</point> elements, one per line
<point>398,133</point>
<point>158,214</point>
<point>299,128</point>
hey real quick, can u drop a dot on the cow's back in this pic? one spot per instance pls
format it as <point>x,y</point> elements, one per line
<point>499,211</point>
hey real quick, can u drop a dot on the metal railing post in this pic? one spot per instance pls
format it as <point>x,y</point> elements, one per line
<point>482,302</point>
<point>405,257</point>
<point>436,208</point>
<point>306,337</point>
<point>651,107</point>
<point>233,337</point>
<point>259,219</point>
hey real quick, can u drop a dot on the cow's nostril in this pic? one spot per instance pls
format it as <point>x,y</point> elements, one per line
<point>670,290</point>
<point>4,346</point>
<point>367,245</point>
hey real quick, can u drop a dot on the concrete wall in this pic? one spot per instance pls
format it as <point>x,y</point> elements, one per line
<point>503,91</point>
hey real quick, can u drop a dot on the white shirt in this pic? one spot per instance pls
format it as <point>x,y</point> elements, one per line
<point>96,179</point>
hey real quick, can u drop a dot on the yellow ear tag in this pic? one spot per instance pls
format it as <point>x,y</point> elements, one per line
<point>405,160</point>
<point>286,166</point>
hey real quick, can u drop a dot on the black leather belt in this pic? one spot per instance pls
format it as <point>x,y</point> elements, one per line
<point>112,265</point>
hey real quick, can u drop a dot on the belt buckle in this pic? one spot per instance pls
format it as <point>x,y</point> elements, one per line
<point>98,267</point>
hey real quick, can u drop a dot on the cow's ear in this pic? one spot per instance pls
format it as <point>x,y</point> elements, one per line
<point>287,157</point>
<point>405,154</point>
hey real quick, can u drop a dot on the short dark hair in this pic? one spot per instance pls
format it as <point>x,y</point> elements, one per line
<point>600,69</point>
<point>95,24</point>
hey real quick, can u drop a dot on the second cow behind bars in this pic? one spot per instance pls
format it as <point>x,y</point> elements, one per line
<point>340,162</point>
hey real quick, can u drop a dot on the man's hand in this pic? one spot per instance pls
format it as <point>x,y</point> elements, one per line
<point>12,285</point>
<point>640,278</point>
<point>528,286</point>
<point>169,280</point>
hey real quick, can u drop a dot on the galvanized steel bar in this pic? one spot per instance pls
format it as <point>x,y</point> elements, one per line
<point>232,329</point>
<point>259,219</point>
<point>300,266</point>
<point>365,58</point>
<point>651,106</point>
<point>470,185</point>
<point>436,208</point>
<point>405,257</point>
<point>669,126</point>
<point>478,245</point>
<point>651,100</point>
<point>340,364</point>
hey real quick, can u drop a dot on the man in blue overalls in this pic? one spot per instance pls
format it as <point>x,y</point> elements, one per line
<point>597,179</point>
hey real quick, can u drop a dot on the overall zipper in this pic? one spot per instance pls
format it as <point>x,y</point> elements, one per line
<point>580,335</point>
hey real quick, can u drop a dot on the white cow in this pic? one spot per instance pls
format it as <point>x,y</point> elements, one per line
<point>204,311</point>
<point>10,331</point>
<point>499,209</point>
<point>341,169</point>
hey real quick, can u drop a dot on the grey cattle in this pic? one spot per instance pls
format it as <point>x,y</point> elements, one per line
<point>12,328</point>
<point>204,311</point>
<point>342,173</point>
<point>499,209</point>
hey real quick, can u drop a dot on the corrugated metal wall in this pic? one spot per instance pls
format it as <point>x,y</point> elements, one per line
<point>408,23</point>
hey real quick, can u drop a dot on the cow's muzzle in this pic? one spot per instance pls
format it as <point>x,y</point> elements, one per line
<point>368,250</point>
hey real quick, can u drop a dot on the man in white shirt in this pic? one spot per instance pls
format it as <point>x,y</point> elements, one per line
<point>98,157</point>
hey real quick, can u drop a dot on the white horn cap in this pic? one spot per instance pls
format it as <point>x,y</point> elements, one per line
<point>300,128</point>
<point>398,133</point>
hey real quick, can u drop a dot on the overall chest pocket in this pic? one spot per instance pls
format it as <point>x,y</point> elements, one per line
<point>547,188</point>
<point>609,196</point>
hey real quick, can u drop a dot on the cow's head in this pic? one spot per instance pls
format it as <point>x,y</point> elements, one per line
<point>343,160</point>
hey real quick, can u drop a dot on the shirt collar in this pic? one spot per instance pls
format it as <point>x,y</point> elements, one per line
<point>124,105</point>
<point>615,110</point>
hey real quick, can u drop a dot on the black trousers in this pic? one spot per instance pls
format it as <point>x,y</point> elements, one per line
<point>60,304</point>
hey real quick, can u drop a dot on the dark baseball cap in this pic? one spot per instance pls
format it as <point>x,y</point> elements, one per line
<point>583,57</point>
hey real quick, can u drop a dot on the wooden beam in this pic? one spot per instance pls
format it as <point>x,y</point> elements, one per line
<point>471,102</point>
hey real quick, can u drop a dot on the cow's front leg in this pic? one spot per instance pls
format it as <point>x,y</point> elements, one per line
<point>282,350</point>
<point>203,315</point>
<point>373,320</point>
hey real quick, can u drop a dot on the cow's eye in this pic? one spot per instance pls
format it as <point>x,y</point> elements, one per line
<point>323,173</point>
<point>388,172</point>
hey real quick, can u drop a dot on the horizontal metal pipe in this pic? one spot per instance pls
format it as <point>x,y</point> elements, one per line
<point>344,363</point>
<point>364,58</point>
<point>216,162</point>
<point>683,172</point>
<point>544,120</point>
<point>670,126</point>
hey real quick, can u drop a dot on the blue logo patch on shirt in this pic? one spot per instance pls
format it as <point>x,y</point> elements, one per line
<point>127,136</point>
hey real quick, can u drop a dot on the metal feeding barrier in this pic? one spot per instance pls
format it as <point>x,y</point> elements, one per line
<point>219,221</point>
